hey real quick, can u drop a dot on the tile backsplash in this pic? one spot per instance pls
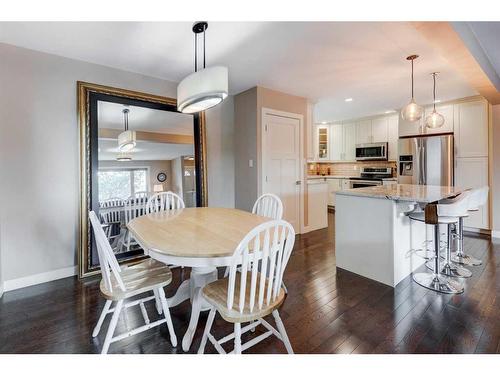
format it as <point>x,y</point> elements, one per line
<point>346,169</point>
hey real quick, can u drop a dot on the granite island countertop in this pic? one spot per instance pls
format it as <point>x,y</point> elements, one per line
<point>403,192</point>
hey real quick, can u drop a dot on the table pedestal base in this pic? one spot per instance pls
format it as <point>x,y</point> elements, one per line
<point>200,276</point>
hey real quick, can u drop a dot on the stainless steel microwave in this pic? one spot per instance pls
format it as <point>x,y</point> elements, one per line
<point>371,151</point>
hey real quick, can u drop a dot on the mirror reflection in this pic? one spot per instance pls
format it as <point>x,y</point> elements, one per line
<point>142,153</point>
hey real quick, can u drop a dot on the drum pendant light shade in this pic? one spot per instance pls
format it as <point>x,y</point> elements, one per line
<point>412,112</point>
<point>127,138</point>
<point>202,89</point>
<point>206,87</point>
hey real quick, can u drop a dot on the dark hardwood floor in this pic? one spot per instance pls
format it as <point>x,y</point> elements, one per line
<point>327,311</point>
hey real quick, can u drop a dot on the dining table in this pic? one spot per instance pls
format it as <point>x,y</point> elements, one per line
<point>202,238</point>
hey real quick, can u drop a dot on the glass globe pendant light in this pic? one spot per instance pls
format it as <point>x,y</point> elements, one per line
<point>412,112</point>
<point>127,138</point>
<point>204,88</point>
<point>435,119</point>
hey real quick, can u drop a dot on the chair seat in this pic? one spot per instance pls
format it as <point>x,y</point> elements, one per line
<point>216,294</point>
<point>420,216</point>
<point>138,278</point>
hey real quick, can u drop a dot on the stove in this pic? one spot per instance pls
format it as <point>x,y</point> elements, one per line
<point>370,176</point>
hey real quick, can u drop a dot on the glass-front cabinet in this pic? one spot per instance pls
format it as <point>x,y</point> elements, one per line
<point>322,138</point>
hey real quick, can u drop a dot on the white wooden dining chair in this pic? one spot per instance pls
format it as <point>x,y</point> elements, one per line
<point>120,284</point>
<point>268,205</point>
<point>111,216</point>
<point>164,201</point>
<point>133,207</point>
<point>248,295</point>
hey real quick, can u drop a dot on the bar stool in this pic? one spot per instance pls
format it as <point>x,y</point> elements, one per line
<point>478,198</point>
<point>435,214</point>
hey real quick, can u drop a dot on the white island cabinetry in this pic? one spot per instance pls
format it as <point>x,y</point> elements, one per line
<point>374,237</point>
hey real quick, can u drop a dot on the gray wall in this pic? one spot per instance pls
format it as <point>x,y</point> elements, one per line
<point>39,155</point>
<point>245,126</point>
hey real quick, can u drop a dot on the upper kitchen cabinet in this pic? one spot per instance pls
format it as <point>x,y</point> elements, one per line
<point>336,142</point>
<point>364,131</point>
<point>392,136</point>
<point>471,129</point>
<point>321,136</point>
<point>343,142</point>
<point>349,141</point>
<point>447,112</point>
<point>409,128</point>
<point>379,130</point>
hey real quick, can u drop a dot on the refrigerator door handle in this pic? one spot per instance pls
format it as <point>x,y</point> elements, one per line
<point>424,164</point>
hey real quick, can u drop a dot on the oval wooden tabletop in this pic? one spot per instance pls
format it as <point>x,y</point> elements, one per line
<point>198,232</point>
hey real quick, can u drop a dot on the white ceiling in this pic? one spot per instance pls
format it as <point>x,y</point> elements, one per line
<point>108,150</point>
<point>110,115</point>
<point>323,61</point>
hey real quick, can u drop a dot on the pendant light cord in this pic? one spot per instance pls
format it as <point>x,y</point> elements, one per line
<point>125,118</point>
<point>412,79</point>
<point>434,90</point>
<point>195,52</point>
<point>204,28</point>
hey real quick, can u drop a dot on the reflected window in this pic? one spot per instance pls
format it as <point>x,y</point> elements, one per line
<point>121,183</point>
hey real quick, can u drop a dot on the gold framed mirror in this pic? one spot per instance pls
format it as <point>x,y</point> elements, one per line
<point>168,154</point>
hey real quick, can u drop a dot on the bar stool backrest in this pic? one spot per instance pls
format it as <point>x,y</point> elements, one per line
<point>455,207</point>
<point>478,198</point>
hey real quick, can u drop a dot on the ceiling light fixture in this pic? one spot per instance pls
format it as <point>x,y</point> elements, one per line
<point>205,88</point>
<point>435,119</point>
<point>412,112</point>
<point>123,156</point>
<point>127,138</point>
<point>390,111</point>
<point>348,100</point>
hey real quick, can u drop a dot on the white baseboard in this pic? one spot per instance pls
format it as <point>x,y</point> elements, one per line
<point>39,278</point>
<point>495,233</point>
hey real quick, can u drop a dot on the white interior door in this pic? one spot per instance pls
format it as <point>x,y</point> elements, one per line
<point>281,164</point>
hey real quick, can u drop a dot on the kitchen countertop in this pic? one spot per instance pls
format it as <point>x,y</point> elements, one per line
<point>313,177</point>
<point>407,193</point>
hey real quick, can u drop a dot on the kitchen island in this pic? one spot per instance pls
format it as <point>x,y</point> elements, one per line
<point>373,234</point>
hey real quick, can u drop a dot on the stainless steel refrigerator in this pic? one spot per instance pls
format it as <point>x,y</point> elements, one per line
<point>426,160</point>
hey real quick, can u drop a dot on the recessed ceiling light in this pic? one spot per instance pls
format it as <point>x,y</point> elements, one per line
<point>348,100</point>
<point>324,122</point>
<point>437,101</point>
<point>391,111</point>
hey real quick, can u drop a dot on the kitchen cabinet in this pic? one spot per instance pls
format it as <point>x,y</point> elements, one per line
<point>334,185</point>
<point>364,131</point>
<point>336,142</point>
<point>392,137</point>
<point>349,141</point>
<point>343,142</point>
<point>471,130</point>
<point>408,128</point>
<point>321,136</point>
<point>317,198</point>
<point>473,173</point>
<point>379,130</point>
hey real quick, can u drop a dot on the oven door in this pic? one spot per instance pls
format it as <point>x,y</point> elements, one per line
<point>354,184</point>
<point>371,151</point>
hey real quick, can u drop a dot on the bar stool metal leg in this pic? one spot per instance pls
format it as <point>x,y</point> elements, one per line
<point>459,256</point>
<point>448,268</point>
<point>435,281</point>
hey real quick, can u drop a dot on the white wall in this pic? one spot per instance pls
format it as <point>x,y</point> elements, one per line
<point>39,155</point>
